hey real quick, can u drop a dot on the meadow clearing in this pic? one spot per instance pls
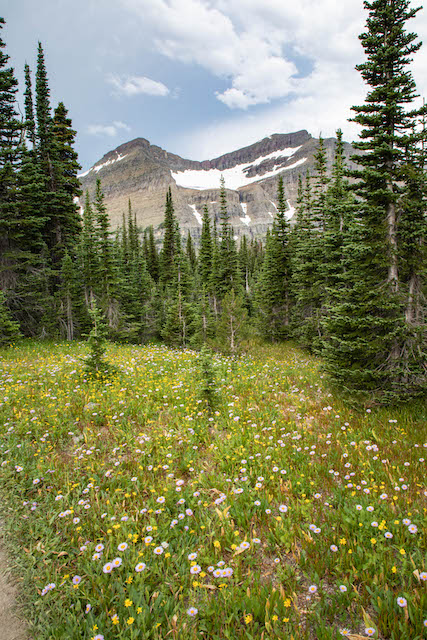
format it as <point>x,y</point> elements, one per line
<point>131,510</point>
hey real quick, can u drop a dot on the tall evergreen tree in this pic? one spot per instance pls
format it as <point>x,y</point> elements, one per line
<point>30,124</point>
<point>170,242</point>
<point>227,275</point>
<point>205,254</point>
<point>10,158</point>
<point>107,277</point>
<point>274,285</point>
<point>375,349</point>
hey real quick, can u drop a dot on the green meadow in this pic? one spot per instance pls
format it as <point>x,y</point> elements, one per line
<point>132,509</point>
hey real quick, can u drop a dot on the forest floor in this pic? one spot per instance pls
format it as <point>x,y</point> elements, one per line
<point>133,510</point>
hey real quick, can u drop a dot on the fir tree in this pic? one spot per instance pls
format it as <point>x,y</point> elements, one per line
<point>89,253</point>
<point>373,349</point>
<point>10,158</point>
<point>170,242</point>
<point>205,254</point>
<point>9,329</point>
<point>30,124</point>
<point>227,274</point>
<point>191,253</point>
<point>107,277</point>
<point>233,327</point>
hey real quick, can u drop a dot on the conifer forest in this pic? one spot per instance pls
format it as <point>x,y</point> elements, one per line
<point>284,377</point>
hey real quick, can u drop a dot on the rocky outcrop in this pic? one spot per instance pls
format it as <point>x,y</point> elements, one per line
<point>142,172</point>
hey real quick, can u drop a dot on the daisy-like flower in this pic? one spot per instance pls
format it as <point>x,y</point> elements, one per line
<point>383,496</point>
<point>312,588</point>
<point>98,636</point>
<point>406,521</point>
<point>369,508</point>
<point>140,567</point>
<point>99,548</point>
<point>412,528</point>
<point>217,573</point>
<point>257,503</point>
<point>77,580</point>
<point>196,569</point>
<point>122,546</point>
<point>244,545</point>
<point>423,575</point>
<point>256,541</point>
<point>160,499</point>
<point>88,608</point>
<point>283,508</point>
<point>388,535</point>
<point>192,611</point>
<point>402,602</point>
<point>148,539</point>
<point>343,588</point>
<point>359,507</point>
<point>158,551</point>
<point>228,572</point>
<point>48,588</point>
<point>333,548</point>
<point>192,556</point>
<point>108,567</point>
<point>117,562</point>
<point>370,631</point>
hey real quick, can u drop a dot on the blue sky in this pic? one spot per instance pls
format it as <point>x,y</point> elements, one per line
<point>197,77</point>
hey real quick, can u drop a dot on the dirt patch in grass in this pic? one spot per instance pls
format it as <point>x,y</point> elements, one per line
<point>12,626</point>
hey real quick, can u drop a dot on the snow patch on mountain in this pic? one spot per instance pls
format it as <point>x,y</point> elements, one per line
<point>98,167</point>
<point>196,213</point>
<point>291,211</point>
<point>234,177</point>
<point>246,220</point>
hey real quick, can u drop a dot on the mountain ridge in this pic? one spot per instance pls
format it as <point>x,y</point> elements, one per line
<point>143,172</point>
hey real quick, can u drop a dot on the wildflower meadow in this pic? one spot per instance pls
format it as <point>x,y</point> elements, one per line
<point>133,507</point>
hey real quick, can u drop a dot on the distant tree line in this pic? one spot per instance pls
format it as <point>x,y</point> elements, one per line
<point>346,281</point>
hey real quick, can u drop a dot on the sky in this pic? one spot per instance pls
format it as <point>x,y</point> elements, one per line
<point>198,78</point>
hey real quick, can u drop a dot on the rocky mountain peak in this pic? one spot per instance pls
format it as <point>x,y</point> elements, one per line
<point>143,172</point>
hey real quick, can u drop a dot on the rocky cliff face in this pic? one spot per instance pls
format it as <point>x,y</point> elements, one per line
<point>143,172</point>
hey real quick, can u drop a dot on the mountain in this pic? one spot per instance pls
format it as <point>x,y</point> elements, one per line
<point>143,172</point>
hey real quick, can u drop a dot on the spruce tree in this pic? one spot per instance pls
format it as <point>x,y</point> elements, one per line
<point>10,157</point>
<point>170,242</point>
<point>205,254</point>
<point>375,350</point>
<point>30,124</point>
<point>107,284</point>
<point>227,275</point>
<point>89,253</point>
<point>9,329</point>
<point>233,327</point>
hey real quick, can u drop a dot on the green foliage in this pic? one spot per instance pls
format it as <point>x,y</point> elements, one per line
<point>377,331</point>
<point>286,523</point>
<point>233,327</point>
<point>207,378</point>
<point>9,330</point>
<point>96,367</point>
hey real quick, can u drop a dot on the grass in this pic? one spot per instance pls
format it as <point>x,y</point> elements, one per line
<point>281,514</point>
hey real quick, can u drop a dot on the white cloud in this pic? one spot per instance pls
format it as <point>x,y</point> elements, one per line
<point>302,54</point>
<point>135,85</point>
<point>110,130</point>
